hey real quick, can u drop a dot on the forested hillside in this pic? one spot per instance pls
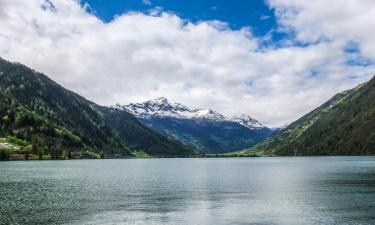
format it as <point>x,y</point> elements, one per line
<point>40,116</point>
<point>345,125</point>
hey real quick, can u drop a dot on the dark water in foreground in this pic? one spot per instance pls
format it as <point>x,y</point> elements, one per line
<point>316,190</point>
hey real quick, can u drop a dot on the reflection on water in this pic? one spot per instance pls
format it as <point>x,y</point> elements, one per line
<point>311,190</point>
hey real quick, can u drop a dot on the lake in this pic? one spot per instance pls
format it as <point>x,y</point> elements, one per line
<point>217,191</point>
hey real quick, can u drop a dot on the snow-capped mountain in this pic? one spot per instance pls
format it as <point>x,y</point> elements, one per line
<point>202,129</point>
<point>161,107</point>
<point>247,121</point>
<point>158,107</point>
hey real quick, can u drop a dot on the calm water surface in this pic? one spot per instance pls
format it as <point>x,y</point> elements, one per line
<point>312,190</point>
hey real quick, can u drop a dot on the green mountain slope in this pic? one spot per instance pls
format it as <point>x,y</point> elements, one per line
<point>345,125</point>
<point>37,113</point>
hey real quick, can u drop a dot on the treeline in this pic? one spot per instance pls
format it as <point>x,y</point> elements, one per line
<point>39,148</point>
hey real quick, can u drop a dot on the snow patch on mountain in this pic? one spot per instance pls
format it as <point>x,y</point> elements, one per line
<point>247,121</point>
<point>161,107</point>
<point>158,107</point>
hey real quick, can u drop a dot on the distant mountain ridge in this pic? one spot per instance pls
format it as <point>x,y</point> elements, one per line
<point>344,125</point>
<point>161,107</point>
<point>203,129</point>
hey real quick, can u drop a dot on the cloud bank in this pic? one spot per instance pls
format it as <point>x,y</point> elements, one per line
<point>140,56</point>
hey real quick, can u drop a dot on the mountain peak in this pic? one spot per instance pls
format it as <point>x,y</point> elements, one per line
<point>160,100</point>
<point>203,129</point>
<point>161,107</point>
<point>209,114</point>
<point>247,121</point>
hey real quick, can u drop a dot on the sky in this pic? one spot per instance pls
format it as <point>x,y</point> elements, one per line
<point>274,60</point>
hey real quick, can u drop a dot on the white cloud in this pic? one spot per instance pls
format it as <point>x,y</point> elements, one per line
<point>339,20</point>
<point>137,56</point>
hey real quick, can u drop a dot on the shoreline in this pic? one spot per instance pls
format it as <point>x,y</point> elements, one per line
<point>206,157</point>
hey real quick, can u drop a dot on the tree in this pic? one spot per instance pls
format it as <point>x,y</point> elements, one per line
<point>40,154</point>
<point>4,154</point>
<point>35,141</point>
<point>51,144</point>
<point>26,151</point>
<point>26,155</point>
<point>101,155</point>
<point>66,154</point>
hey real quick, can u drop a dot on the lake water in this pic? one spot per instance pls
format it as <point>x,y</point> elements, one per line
<point>310,190</point>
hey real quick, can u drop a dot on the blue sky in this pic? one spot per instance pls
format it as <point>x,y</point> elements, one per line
<point>240,13</point>
<point>291,57</point>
